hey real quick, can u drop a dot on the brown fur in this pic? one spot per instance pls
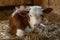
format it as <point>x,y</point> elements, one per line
<point>18,22</point>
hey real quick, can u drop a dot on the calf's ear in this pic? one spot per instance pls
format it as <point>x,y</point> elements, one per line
<point>47,10</point>
<point>23,13</point>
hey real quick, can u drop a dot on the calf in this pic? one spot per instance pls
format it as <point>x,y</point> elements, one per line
<point>20,19</point>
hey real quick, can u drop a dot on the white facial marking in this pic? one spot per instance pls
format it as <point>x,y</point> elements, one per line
<point>35,11</point>
<point>20,33</point>
<point>33,21</point>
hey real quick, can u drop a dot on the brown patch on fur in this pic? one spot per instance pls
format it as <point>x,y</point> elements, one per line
<point>18,22</point>
<point>23,13</point>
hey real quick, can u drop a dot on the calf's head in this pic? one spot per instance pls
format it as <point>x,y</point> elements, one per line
<point>35,14</point>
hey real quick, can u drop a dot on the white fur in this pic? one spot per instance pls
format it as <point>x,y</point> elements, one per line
<point>33,21</point>
<point>20,33</point>
<point>34,12</point>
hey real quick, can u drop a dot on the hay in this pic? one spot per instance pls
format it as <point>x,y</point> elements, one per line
<point>51,32</point>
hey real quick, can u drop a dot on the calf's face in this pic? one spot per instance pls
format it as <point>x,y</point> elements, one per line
<point>35,15</point>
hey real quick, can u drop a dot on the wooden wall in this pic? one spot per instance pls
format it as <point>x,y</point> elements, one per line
<point>14,2</point>
<point>55,4</point>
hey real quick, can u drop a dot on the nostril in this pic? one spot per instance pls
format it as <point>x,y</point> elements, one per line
<point>37,25</point>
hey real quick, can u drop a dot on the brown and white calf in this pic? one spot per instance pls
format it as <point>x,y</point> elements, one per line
<point>23,18</point>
